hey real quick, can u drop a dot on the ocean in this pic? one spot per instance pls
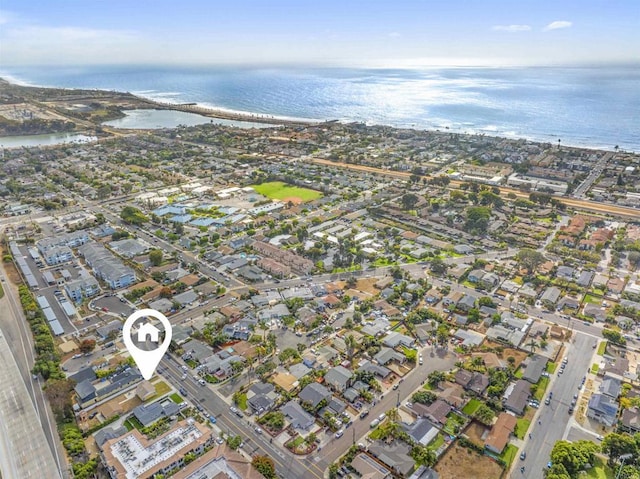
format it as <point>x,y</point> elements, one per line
<point>590,107</point>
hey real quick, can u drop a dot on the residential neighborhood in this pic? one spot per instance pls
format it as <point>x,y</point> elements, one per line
<point>345,300</point>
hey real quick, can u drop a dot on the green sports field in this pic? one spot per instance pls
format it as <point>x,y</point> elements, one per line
<point>277,190</point>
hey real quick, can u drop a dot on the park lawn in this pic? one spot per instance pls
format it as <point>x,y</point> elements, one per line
<point>519,373</point>
<point>522,426</point>
<point>551,367</point>
<point>176,398</point>
<point>471,407</point>
<point>509,454</point>
<point>278,190</point>
<point>1,292</point>
<point>602,347</point>
<point>542,387</point>
<point>375,434</point>
<point>599,470</point>
<point>595,368</point>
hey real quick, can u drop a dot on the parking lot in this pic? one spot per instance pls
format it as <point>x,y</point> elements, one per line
<point>48,291</point>
<point>113,304</point>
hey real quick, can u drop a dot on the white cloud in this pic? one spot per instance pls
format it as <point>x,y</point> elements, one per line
<point>511,28</point>
<point>50,45</point>
<point>558,24</point>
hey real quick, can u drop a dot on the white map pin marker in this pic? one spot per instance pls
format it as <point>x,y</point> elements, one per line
<point>147,361</point>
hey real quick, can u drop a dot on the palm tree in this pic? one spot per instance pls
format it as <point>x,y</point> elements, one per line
<point>393,414</point>
<point>532,345</point>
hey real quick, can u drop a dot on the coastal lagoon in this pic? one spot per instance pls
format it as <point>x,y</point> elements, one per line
<point>156,119</point>
<point>44,140</point>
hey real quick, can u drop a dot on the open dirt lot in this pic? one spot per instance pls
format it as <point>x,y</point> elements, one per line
<point>475,431</point>
<point>459,462</point>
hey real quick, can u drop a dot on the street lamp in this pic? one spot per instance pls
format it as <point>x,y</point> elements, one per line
<point>623,458</point>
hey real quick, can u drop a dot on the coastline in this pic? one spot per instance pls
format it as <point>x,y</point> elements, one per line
<point>147,100</point>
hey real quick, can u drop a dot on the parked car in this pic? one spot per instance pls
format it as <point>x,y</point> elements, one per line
<point>523,456</point>
<point>364,414</point>
<point>340,433</point>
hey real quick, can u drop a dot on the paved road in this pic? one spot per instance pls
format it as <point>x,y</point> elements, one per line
<point>24,451</point>
<point>442,361</point>
<point>287,465</point>
<point>555,417</point>
<point>16,331</point>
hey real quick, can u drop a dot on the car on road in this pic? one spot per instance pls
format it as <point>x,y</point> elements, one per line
<point>571,410</point>
<point>212,419</point>
<point>258,430</point>
<point>202,382</point>
<point>364,414</point>
<point>523,456</point>
<point>381,417</point>
<point>396,386</point>
<point>183,391</point>
<point>374,423</point>
<point>233,409</point>
<point>340,433</point>
<point>219,440</point>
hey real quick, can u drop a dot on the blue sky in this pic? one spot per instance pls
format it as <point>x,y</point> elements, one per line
<point>343,32</point>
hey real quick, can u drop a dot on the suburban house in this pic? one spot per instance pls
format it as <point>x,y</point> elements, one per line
<point>147,414</point>
<point>297,416</point>
<point>516,396</point>
<point>261,397</point>
<point>500,433</point>
<point>535,367</point>
<point>630,420</point>
<point>603,409</point>
<point>386,355</point>
<point>338,378</point>
<point>472,381</point>
<point>395,339</point>
<point>394,455</point>
<point>366,466</point>
<point>313,394</point>
<point>550,296</point>
<point>466,303</point>
<point>436,412</point>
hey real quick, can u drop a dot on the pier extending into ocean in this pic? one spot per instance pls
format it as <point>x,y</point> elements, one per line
<point>227,115</point>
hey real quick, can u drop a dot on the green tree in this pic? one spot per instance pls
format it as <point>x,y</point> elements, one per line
<point>264,465</point>
<point>87,345</point>
<point>438,266</point>
<point>477,219</point>
<point>155,256</point>
<point>435,378</point>
<point>409,201</point>
<point>234,442</point>
<point>424,397</point>
<point>530,259</point>
<point>423,455</point>
<point>484,414</point>
<point>616,445</point>
<point>574,456</point>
